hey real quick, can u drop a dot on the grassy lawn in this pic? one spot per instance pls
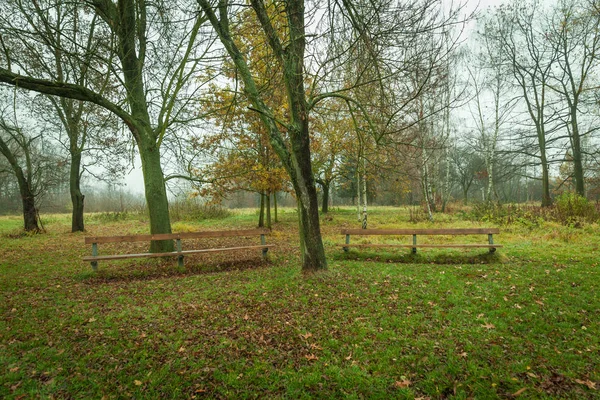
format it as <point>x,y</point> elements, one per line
<point>445,323</point>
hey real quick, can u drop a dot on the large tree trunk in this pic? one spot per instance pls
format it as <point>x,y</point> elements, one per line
<point>311,244</point>
<point>546,199</point>
<point>30,215</point>
<point>577,155</point>
<point>358,198</point>
<point>261,212</point>
<point>156,196</point>
<point>268,207</point>
<point>325,204</point>
<point>275,206</point>
<point>364,194</point>
<point>77,223</point>
<point>312,252</point>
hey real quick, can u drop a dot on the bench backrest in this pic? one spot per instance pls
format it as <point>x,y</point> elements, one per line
<point>173,236</point>
<point>443,231</point>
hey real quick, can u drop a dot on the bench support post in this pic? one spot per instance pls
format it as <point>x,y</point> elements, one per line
<point>263,241</point>
<point>95,254</point>
<point>491,241</point>
<point>414,249</point>
<point>347,242</point>
<point>180,257</point>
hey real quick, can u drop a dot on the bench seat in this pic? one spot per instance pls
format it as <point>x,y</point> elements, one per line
<point>419,245</point>
<point>178,237</point>
<point>173,253</point>
<point>422,232</point>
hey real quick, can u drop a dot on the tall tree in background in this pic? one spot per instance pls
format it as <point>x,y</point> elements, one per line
<point>331,138</point>
<point>244,157</point>
<point>29,158</point>
<point>14,144</point>
<point>574,36</point>
<point>64,30</point>
<point>520,32</point>
<point>288,45</point>
<point>491,105</point>
<point>151,52</point>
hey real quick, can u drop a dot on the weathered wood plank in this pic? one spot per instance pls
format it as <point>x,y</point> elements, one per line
<point>173,253</point>
<point>442,231</point>
<point>420,245</point>
<point>173,236</point>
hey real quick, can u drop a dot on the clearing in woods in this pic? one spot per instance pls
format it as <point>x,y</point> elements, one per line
<point>382,323</point>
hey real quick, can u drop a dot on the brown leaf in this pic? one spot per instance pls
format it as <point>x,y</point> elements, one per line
<point>311,357</point>
<point>349,357</point>
<point>588,383</point>
<point>488,326</point>
<point>306,335</point>
<point>137,383</point>
<point>403,383</point>
<point>532,375</point>
<point>519,392</point>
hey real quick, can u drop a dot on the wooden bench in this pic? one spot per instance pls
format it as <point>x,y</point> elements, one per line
<point>423,232</point>
<point>178,237</point>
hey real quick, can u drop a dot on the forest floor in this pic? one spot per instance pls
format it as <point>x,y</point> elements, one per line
<point>444,323</point>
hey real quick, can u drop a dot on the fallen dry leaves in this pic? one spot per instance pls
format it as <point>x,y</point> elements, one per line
<point>403,383</point>
<point>587,382</point>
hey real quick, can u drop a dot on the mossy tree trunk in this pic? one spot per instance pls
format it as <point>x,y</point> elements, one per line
<point>295,153</point>
<point>546,199</point>
<point>25,182</point>
<point>261,212</point>
<point>577,154</point>
<point>325,204</point>
<point>268,207</point>
<point>77,197</point>
<point>156,196</point>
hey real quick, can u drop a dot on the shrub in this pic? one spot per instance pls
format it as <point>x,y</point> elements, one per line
<point>569,209</point>
<point>573,209</point>
<point>524,215</point>
<point>191,209</point>
<point>110,216</point>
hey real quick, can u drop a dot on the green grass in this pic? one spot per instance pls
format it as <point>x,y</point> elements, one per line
<point>444,323</point>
